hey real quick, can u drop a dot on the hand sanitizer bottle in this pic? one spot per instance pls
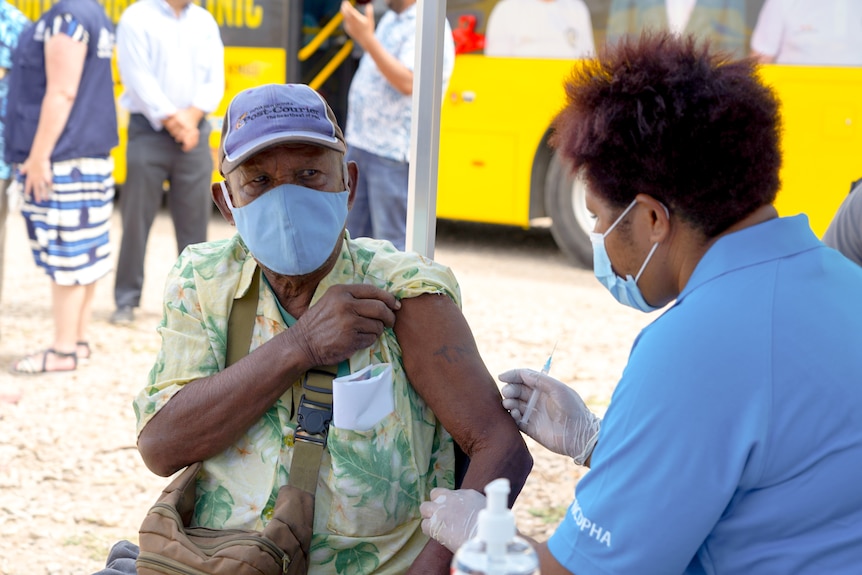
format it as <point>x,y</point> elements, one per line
<point>496,549</point>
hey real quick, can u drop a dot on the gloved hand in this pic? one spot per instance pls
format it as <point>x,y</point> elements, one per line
<point>560,419</point>
<point>451,517</point>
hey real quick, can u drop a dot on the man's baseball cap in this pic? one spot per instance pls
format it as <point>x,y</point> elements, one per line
<point>261,117</point>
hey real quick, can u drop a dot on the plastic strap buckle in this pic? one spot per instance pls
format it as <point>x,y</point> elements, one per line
<point>313,420</point>
<point>313,417</point>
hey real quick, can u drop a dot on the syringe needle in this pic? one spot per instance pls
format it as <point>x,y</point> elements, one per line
<point>534,397</point>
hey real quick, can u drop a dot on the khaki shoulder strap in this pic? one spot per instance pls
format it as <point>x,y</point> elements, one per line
<point>315,406</point>
<point>312,427</point>
<point>240,322</point>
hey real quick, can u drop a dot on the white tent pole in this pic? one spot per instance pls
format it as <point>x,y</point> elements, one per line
<point>425,132</point>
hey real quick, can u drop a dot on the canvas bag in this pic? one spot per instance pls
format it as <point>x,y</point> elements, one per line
<point>168,546</point>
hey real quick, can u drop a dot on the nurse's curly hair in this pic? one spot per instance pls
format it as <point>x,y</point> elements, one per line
<point>667,116</point>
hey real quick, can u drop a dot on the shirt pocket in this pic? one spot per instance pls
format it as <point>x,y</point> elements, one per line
<point>374,481</point>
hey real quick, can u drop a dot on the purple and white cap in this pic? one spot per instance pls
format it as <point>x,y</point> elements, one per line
<point>261,117</point>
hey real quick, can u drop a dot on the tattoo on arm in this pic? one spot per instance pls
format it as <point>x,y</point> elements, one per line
<point>453,354</point>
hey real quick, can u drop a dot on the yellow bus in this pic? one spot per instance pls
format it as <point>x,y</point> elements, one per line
<point>495,165</point>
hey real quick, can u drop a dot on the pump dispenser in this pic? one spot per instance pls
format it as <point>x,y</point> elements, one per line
<point>496,550</point>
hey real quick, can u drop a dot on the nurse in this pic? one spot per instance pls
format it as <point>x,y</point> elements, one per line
<point>733,440</point>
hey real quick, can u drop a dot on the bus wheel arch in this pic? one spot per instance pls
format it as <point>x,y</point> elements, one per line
<point>565,203</point>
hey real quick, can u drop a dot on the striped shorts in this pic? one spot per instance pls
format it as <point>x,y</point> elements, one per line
<point>69,231</point>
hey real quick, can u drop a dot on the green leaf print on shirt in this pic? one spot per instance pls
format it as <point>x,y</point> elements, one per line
<point>363,258</point>
<point>376,476</point>
<point>410,273</point>
<point>357,560</point>
<point>270,427</point>
<point>213,508</point>
<point>360,560</point>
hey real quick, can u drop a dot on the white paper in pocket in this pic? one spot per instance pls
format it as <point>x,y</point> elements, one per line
<point>361,399</point>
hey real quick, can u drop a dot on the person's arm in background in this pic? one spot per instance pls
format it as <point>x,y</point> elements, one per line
<point>845,230</point>
<point>136,71</point>
<point>183,125</point>
<point>141,83</point>
<point>360,27</point>
<point>766,38</point>
<point>64,65</point>
<point>444,366</point>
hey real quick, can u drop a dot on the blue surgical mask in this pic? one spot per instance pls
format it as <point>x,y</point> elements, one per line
<point>625,291</point>
<point>290,229</point>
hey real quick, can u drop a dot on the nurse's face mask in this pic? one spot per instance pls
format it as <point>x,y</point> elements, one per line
<point>625,291</point>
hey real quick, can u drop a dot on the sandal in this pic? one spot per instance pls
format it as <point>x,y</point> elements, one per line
<point>84,352</point>
<point>31,365</point>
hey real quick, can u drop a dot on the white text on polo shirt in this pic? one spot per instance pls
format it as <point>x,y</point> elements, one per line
<point>585,525</point>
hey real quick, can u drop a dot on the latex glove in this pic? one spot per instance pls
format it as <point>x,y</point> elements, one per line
<point>560,420</point>
<point>451,517</point>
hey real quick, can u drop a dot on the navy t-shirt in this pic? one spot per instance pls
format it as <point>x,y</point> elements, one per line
<point>91,130</point>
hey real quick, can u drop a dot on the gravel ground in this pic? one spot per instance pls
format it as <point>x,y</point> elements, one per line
<point>71,480</point>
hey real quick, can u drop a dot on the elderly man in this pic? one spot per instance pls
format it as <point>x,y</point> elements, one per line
<point>322,299</point>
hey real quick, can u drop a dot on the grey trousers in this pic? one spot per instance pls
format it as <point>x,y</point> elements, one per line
<point>153,158</point>
<point>121,559</point>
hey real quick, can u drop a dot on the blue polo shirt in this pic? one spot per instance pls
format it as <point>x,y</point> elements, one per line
<point>733,441</point>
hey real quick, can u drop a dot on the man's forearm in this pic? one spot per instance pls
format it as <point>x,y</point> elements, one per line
<point>434,559</point>
<point>396,73</point>
<point>510,459</point>
<point>209,415</point>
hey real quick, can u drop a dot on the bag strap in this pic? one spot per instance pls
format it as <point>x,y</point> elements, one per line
<point>240,322</point>
<point>312,427</point>
<point>315,407</point>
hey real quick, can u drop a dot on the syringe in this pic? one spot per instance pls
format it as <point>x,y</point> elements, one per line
<point>531,403</point>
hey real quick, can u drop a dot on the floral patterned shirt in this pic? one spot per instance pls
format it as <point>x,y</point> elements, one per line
<point>12,22</point>
<point>371,483</point>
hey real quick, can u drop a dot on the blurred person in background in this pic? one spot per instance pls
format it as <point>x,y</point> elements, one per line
<point>12,23</point>
<point>61,125</point>
<point>813,32</point>
<point>845,230</point>
<point>722,22</point>
<point>379,115</point>
<point>171,60</point>
<point>540,29</point>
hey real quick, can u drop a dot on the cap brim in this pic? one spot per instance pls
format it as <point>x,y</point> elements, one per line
<point>230,163</point>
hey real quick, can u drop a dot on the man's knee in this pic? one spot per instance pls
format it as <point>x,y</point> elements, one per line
<point>121,559</point>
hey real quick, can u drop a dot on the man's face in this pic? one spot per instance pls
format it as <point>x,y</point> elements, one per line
<point>304,165</point>
<point>399,6</point>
